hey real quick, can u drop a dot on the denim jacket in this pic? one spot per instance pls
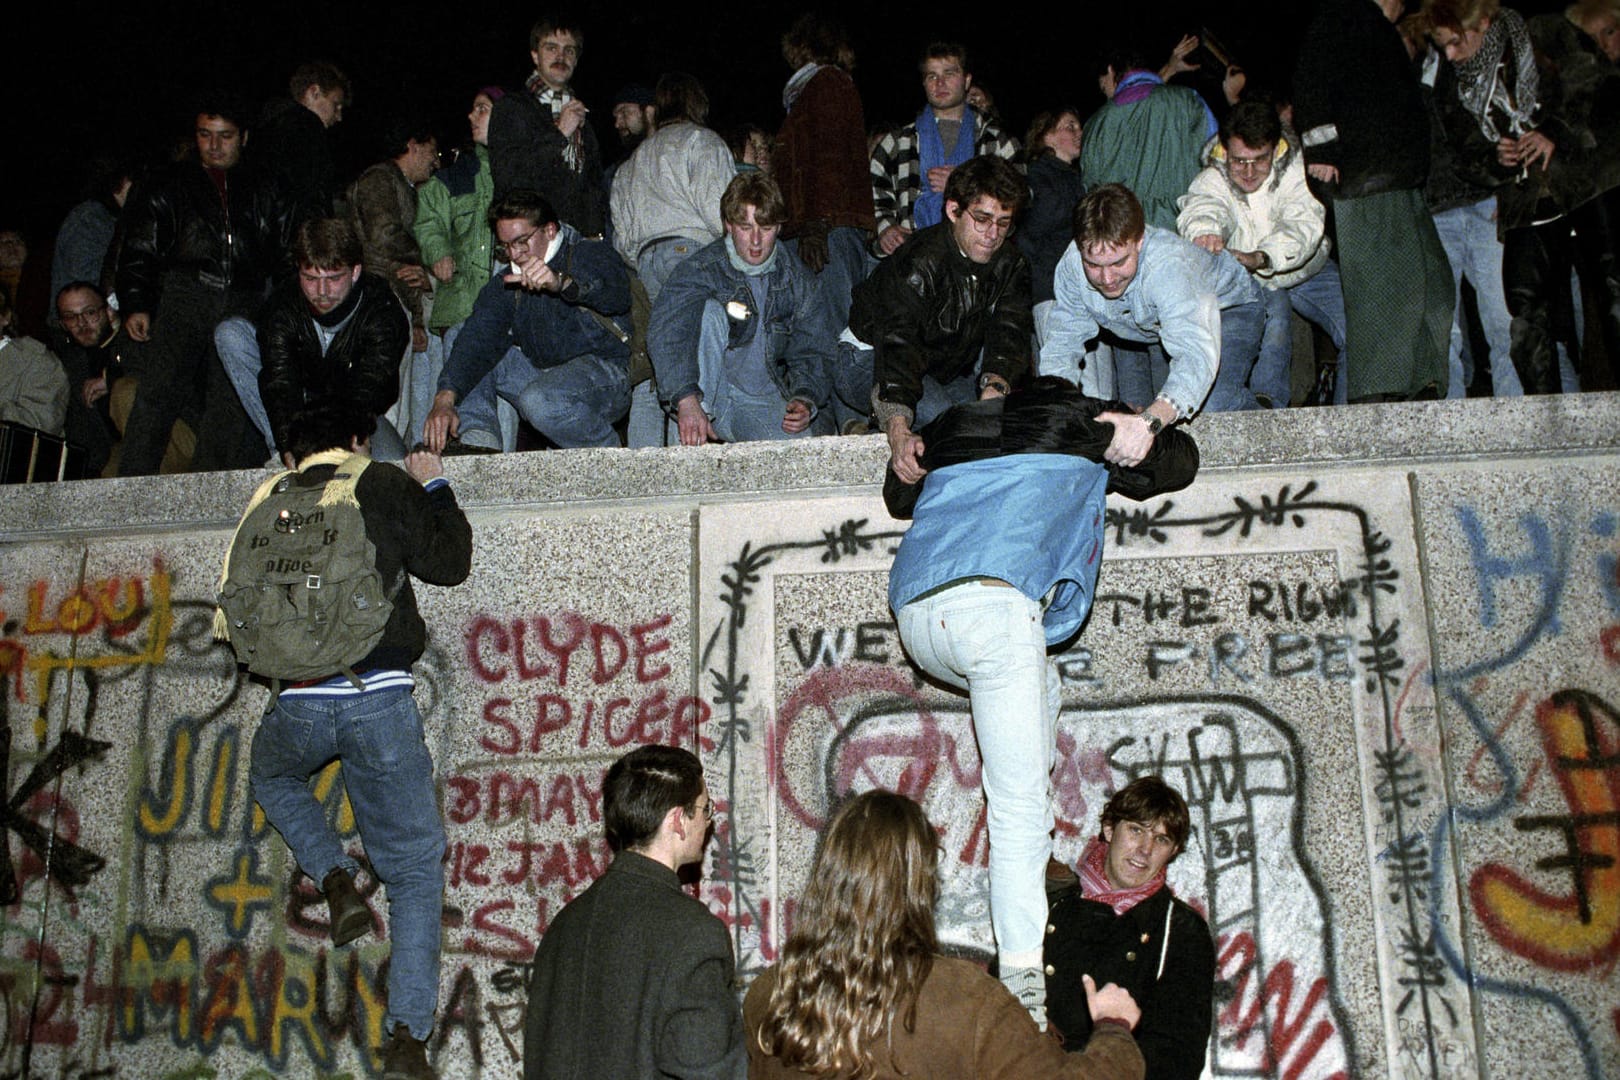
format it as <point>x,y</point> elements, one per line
<point>797,318</point>
<point>1034,521</point>
<point>1175,299</point>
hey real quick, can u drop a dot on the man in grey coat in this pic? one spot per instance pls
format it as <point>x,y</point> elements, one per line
<point>634,977</point>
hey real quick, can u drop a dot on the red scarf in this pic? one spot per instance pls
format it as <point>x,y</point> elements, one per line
<point>1094,883</point>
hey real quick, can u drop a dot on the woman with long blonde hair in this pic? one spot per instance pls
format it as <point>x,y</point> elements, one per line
<point>861,991</point>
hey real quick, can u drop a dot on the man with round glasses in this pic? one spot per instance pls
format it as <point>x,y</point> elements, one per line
<point>945,319</point>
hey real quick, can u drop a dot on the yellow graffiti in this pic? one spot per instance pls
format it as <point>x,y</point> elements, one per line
<point>324,783</point>
<point>179,786</point>
<point>145,971</point>
<point>242,894</point>
<point>80,611</point>
<point>372,1008</point>
<point>1578,931</point>
<point>296,1008</point>
<point>219,791</point>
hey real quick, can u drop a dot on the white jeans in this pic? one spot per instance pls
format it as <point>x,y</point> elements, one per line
<point>989,641</point>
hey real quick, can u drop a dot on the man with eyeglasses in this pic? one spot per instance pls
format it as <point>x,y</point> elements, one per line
<point>91,357</point>
<point>549,333</point>
<point>633,978</point>
<point>540,139</point>
<point>1145,287</point>
<point>1251,200</point>
<point>944,319</point>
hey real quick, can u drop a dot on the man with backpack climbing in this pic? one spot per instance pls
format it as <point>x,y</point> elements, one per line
<point>316,597</point>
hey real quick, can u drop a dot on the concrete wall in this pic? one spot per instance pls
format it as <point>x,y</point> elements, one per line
<point>1378,648</point>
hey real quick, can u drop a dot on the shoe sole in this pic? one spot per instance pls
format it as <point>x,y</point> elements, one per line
<point>356,924</point>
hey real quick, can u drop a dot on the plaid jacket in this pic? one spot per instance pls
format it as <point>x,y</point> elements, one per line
<point>897,171</point>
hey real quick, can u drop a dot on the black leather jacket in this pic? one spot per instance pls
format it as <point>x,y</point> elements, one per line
<point>526,152</point>
<point>361,364</point>
<point>177,224</point>
<point>1049,415</point>
<point>929,310</point>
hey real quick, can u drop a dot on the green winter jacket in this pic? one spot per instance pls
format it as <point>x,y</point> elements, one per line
<point>1150,142</point>
<point>451,220</point>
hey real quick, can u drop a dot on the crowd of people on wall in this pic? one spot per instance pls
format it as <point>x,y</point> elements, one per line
<point>248,304</point>
<point>1302,243</point>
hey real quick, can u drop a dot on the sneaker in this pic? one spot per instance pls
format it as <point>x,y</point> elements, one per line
<point>348,916</point>
<point>405,1058</point>
<point>1028,985</point>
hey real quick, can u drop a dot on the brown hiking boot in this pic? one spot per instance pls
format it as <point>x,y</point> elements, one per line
<point>348,917</point>
<point>405,1058</point>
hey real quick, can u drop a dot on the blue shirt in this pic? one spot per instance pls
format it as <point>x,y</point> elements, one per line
<point>1034,521</point>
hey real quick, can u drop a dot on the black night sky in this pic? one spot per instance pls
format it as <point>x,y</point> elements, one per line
<point>84,78</point>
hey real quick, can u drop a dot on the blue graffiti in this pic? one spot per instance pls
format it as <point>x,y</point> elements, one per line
<point>1546,560</point>
<point>1439,842</point>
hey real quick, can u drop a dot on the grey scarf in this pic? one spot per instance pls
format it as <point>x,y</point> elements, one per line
<point>1482,79</point>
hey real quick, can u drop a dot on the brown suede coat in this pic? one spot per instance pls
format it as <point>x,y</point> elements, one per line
<point>967,1025</point>
<point>821,160</point>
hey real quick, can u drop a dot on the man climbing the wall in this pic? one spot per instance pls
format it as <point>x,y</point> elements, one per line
<point>342,535</point>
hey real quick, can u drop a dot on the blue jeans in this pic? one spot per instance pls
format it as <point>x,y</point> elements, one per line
<point>573,404</point>
<point>989,641</point>
<point>735,414</point>
<point>852,388</point>
<point>237,342</point>
<point>388,774</point>
<point>848,264</point>
<point>1319,299</point>
<point>422,383</point>
<point>1468,233</point>
<point>1140,370</point>
<point>648,425</point>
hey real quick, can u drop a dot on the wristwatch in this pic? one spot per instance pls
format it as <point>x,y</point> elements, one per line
<point>993,380</point>
<point>1155,425</point>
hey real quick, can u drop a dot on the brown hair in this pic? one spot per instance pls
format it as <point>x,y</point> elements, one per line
<point>1109,214</point>
<point>987,175</point>
<point>754,189</point>
<point>945,50</point>
<point>818,37</point>
<point>322,76</point>
<point>1043,125</point>
<point>326,244</point>
<point>1459,15</point>
<point>1151,801</point>
<point>679,96</point>
<point>546,25</point>
<point>866,919</point>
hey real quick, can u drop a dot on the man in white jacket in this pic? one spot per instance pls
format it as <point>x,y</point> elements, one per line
<point>665,205</point>
<point>1251,200</point>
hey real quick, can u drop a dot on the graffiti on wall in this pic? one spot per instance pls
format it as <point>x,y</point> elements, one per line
<point>1545,770</point>
<point>858,717</point>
